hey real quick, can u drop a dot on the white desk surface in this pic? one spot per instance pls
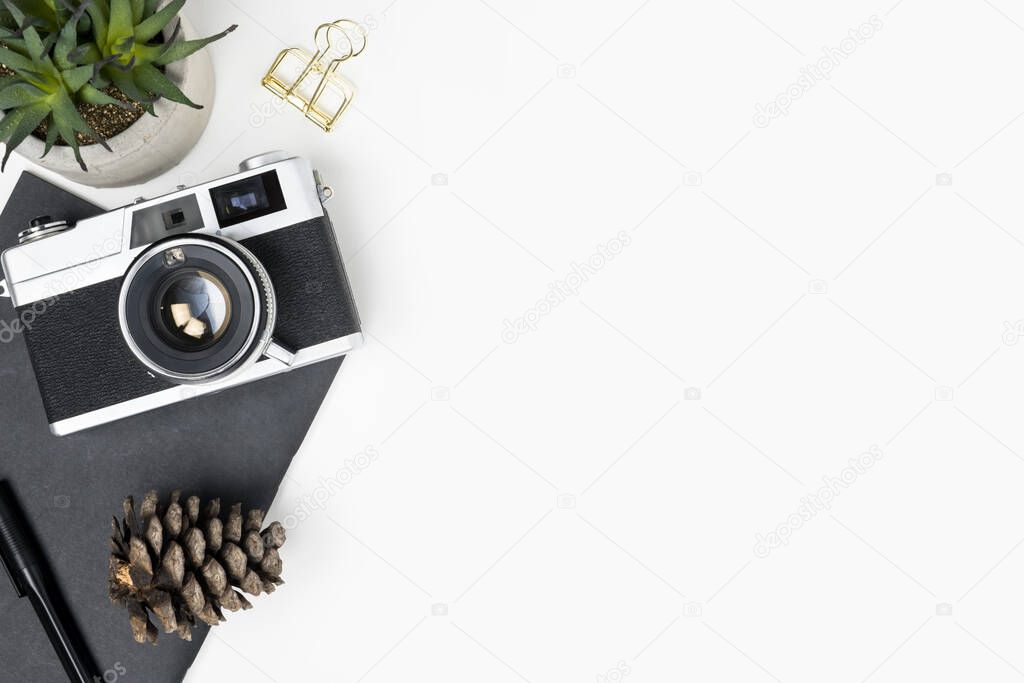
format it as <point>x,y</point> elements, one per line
<point>581,501</point>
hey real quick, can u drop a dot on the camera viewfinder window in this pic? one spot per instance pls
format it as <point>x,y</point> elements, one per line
<point>246,199</point>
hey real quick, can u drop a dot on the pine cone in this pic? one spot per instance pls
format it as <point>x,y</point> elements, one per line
<point>183,565</point>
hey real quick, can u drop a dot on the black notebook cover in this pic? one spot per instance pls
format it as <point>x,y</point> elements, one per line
<point>236,444</point>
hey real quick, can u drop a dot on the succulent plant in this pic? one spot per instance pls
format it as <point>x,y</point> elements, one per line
<point>123,34</point>
<point>45,88</point>
<point>60,54</point>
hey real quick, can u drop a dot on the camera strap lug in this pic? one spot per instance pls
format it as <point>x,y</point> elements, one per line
<point>326,192</point>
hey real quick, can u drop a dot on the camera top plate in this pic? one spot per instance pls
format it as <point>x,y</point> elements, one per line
<point>102,247</point>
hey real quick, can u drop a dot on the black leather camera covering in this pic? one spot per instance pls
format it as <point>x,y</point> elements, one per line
<point>314,299</point>
<point>82,362</point>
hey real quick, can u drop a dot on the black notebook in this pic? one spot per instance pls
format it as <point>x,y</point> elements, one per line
<point>236,444</point>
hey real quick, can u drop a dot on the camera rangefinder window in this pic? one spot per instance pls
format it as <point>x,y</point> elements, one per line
<point>194,309</point>
<point>174,217</point>
<point>246,199</point>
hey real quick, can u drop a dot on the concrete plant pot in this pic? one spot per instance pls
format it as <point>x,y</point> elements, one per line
<point>152,145</point>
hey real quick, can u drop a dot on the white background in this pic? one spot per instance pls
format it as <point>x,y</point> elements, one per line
<point>582,503</point>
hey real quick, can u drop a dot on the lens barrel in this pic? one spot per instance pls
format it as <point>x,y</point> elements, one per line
<point>197,309</point>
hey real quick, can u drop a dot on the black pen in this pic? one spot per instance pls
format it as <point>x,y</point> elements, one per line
<point>25,565</point>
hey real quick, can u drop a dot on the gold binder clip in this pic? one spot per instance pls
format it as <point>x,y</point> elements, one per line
<point>312,83</point>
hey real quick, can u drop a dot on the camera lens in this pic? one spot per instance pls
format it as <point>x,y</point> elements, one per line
<point>197,309</point>
<point>194,310</point>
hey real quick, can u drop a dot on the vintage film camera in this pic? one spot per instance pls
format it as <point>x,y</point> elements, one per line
<point>203,289</point>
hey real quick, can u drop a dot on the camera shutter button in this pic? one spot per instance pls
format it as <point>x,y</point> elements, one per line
<point>264,159</point>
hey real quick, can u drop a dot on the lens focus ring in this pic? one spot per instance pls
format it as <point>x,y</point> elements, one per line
<point>269,297</point>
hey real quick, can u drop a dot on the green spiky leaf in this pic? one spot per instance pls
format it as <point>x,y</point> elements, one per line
<point>12,38</point>
<point>16,13</point>
<point>120,25</point>
<point>20,95</point>
<point>16,61</point>
<point>181,49</point>
<point>100,26</point>
<point>126,84</point>
<point>85,54</point>
<point>90,95</point>
<point>36,49</point>
<point>51,136</point>
<point>67,41</point>
<point>9,121</point>
<point>76,78</point>
<point>41,13</point>
<point>152,79</point>
<point>29,120</point>
<point>148,29</point>
<point>68,135</point>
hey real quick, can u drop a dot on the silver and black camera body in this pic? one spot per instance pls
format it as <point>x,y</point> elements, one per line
<point>203,289</point>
